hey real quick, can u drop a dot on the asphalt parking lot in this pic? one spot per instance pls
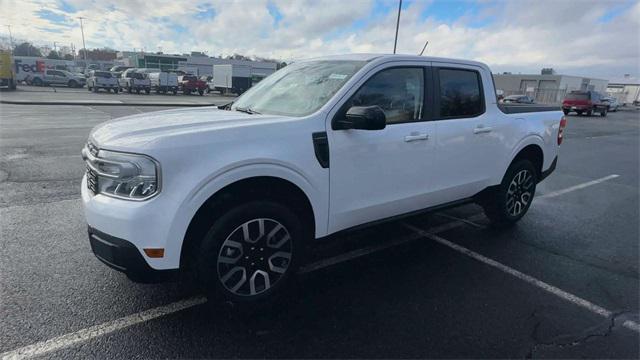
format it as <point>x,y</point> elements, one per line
<point>563,283</point>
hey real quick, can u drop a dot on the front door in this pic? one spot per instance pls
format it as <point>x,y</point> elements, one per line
<point>376,174</point>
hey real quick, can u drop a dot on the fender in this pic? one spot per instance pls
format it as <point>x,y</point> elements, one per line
<point>530,139</point>
<point>239,171</point>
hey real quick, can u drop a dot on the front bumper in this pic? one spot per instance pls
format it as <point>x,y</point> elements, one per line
<point>123,256</point>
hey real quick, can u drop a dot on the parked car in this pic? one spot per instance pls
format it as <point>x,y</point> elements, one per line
<point>518,99</point>
<point>118,69</point>
<point>132,80</point>
<point>164,82</point>
<point>102,80</point>
<point>191,84</point>
<point>584,102</point>
<point>612,103</point>
<point>235,194</point>
<point>57,77</point>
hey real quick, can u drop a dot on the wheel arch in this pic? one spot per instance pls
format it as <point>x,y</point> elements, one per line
<point>246,189</point>
<point>532,152</point>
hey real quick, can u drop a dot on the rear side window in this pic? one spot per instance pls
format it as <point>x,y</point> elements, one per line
<point>460,93</point>
<point>102,74</point>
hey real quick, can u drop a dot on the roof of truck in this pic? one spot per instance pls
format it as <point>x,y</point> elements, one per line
<point>401,57</point>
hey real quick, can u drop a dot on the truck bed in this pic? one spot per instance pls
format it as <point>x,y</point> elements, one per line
<point>526,108</point>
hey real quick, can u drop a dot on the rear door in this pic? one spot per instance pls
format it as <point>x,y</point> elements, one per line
<point>470,133</point>
<point>375,174</point>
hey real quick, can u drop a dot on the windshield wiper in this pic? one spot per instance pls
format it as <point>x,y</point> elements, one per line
<point>247,110</point>
<point>226,106</point>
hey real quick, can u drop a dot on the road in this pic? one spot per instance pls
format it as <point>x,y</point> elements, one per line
<point>391,291</point>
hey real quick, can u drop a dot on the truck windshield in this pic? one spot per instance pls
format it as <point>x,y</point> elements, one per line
<point>298,89</point>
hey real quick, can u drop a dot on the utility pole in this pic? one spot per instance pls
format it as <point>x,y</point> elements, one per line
<point>10,37</point>
<point>54,47</point>
<point>84,48</point>
<point>395,43</point>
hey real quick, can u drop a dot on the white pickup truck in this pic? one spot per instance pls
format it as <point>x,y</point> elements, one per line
<point>235,194</point>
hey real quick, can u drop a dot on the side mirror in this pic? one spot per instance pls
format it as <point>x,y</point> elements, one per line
<point>363,118</point>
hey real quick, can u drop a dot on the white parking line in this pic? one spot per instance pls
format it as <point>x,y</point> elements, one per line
<point>577,187</point>
<point>89,333</point>
<point>632,325</point>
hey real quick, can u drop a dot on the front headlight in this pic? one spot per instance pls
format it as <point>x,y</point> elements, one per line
<point>122,175</point>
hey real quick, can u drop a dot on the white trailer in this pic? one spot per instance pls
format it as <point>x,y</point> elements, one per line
<point>232,78</point>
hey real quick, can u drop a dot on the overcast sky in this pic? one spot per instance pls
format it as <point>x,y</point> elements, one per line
<point>580,37</point>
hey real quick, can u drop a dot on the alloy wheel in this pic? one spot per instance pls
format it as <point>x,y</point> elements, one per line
<point>254,257</point>
<point>519,193</point>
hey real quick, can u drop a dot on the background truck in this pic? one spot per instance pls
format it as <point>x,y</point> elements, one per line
<point>134,81</point>
<point>191,84</point>
<point>57,77</point>
<point>102,80</point>
<point>231,78</point>
<point>235,194</point>
<point>7,70</point>
<point>585,102</point>
<point>164,82</point>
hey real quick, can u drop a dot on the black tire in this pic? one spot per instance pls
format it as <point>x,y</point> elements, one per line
<point>38,82</point>
<point>147,91</point>
<point>95,89</point>
<point>115,90</point>
<point>603,112</point>
<point>72,83</point>
<point>232,281</point>
<point>510,201</point>
<point>88,88</point>
<point>566,112</point>
<point>175,91</point>
<point>138,91</point>
<point>579,112</point>
<point>201,92</point>
<point>589,113</point>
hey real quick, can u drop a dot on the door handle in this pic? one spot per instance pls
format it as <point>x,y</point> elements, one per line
<point>482,130</point>
<point>416,137</point>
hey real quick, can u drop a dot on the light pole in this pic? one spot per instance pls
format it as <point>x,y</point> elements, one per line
<point>395,43</point>
<point>10,37</point>
<point>84,48</point>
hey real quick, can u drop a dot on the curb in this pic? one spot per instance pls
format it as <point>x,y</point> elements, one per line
<point>104,103</point>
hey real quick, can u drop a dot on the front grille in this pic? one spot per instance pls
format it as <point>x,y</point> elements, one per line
<point>92,181</point>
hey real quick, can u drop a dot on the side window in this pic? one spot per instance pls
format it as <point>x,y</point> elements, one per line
<point>460,93</point>
<point>399,92</point>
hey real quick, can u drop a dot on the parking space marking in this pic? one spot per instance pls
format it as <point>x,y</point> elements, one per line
<point>89,333</point>
<point>577,187</point>
<point>629,324</point>
<point>348,256</point>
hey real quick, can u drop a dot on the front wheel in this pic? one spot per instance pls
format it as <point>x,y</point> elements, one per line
<point>566,112</point>
<point>250,254</point>
<point>510,201</point>
<point>201,92</point>
<point>603,112</point>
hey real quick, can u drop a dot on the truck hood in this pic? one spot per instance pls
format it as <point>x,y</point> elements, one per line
<point>141,130</point>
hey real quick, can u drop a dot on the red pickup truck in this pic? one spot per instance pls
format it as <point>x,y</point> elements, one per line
<point>584,102</point>
<point>191,84</point>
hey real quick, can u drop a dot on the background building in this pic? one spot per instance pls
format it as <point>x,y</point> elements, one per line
<point>546,87</point>
<point>626,90</point>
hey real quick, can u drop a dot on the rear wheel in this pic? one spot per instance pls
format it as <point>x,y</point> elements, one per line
<point>138,91</point>
<point>147,91</point>
<point>38,82</point>
<point>175,91</point>
<point>566,112</point>
<point>201,92</point>
<point>72,83</point>
<point>250,253</point>
<point>510,201</point>
<point>579,112</point>
<point>115,90</point>
<point>603,112</point>
<point>589,112</point>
